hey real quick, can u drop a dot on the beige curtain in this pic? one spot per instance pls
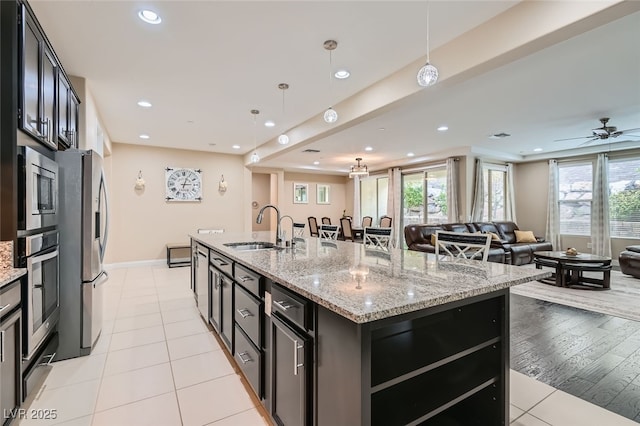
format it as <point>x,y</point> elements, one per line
<point>552,233</point>
<point>600,223</point>
<point>478,193</point>
<point>453,177</point>
<point>394,204</point>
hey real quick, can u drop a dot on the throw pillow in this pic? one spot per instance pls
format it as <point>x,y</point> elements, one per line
<point>494,236</point>
<point>525,236</point>
<point>433,239</point>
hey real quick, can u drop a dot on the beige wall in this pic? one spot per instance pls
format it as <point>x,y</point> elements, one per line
<point>337,198</point>
<point>142,222</point>
<point>261,192</point>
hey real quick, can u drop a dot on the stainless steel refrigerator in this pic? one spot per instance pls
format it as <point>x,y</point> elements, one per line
<point>83,225</point>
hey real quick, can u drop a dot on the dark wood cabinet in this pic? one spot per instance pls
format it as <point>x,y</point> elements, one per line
<point>226,307</point>
<point>291,374</point>
<point>10,351</point>
<point>67,113</point>
<point>202,280</point>
<point>39,74</point>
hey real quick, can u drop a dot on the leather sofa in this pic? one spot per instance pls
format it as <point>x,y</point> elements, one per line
<point>505,250</point>
<point>630,261</point>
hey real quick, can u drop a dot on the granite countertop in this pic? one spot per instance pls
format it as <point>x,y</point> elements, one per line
<point>366,284</point>
<point>10,274</point>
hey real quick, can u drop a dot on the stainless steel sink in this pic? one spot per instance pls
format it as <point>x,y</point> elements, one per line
<point>252,245</point>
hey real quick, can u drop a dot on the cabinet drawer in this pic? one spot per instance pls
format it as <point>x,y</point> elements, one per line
<point>250,280</point>
<point>221,262</point>
<point>295,308</point>
<point>9,297</point>
<point>248,315</point>
<point>249,358</point>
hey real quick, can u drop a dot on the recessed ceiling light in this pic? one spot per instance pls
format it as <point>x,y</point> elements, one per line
<point>381,129</point>
<point>537,149</point>
<point>144,104</point>
<point>149,16</point>
<point>443,128</point>
<point>342,74</point>
<point>316,162</point>
<point>236,147</point>
<point>368,148</point>
<point>410,154</point>
<point>144,136</point>
<point>269,123</point>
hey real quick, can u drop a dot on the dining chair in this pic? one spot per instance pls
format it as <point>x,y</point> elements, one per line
<point>298,230</point>
<point>326,221</point>
<point>329,232</point>
<point>367,221</point>
<point>313,226</point>
<point>463,245</point>
<point>385,222</point>
<point>377,237</point>
<point>347,231</point>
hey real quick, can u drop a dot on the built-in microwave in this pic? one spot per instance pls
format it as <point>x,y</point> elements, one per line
<point>37,191</point>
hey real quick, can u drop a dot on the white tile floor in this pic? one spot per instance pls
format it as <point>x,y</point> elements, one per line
<point>156,364</point>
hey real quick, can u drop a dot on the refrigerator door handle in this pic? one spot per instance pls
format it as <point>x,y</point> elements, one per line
<point>105,211</point>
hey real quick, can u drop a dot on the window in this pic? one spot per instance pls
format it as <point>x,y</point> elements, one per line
<point>373,197</point>
<point>424,196</point>
<point>624,200</point>
<point>574,196</point>
<point>495,184</point>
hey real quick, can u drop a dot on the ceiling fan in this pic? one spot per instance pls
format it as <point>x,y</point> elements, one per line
<point>603,133</point>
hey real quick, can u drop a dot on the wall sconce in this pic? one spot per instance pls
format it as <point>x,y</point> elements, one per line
<point>140,181</point>
<point>222,185</point>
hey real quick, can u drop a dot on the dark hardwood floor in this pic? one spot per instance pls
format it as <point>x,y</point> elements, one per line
<point>593,356</point>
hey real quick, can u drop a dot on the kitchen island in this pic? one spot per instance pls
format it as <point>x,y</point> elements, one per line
<point>335,333</point>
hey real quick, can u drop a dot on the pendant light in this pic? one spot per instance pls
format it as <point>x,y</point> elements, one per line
<point>360,170</point>
<point>255,158</point>
<point>428,74</point>
<point>283,139</point>
<point>330,115</point>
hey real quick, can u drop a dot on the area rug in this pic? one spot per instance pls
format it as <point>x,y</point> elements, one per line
<point>622,300</point>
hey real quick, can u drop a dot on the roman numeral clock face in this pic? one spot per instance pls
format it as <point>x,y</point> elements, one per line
<point>183,184</point>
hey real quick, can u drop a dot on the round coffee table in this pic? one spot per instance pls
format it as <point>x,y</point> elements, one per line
<point>570,269</point>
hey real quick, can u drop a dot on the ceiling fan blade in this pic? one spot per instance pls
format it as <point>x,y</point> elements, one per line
<point>629,130</point>
<point>572,139</point>
<point>589,141</point>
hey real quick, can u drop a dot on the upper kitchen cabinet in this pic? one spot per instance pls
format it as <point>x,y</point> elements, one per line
<point>48,105</point>
<point>67,113</point>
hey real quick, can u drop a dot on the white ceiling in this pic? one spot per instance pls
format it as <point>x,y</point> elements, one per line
<point>210,62</point>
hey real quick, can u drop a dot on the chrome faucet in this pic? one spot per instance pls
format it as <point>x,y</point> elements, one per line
<point>278,231</point>
<point>293,241</point>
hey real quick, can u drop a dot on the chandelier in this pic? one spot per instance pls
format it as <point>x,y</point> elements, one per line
<point>360,170</point>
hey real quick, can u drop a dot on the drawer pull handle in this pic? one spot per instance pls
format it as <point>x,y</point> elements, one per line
<point>296,346</point>
<point>244,313</point>
<point>282,304</point>
<point>220,261</point>
<point>50,359</point>
<point>242,356</point>
<point>5,307</point>
<point>1,346</point>
<point>246,278</point>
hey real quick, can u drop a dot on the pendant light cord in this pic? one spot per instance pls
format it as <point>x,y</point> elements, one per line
<point>427,31</point>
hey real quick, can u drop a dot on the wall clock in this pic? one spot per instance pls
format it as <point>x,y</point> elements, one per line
<point>183,184</point>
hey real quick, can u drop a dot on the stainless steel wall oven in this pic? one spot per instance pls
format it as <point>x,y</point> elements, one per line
<point>39,254</point>
<point>37,191</point>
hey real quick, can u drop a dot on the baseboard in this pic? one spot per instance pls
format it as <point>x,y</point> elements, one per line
<point>119,265</point>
